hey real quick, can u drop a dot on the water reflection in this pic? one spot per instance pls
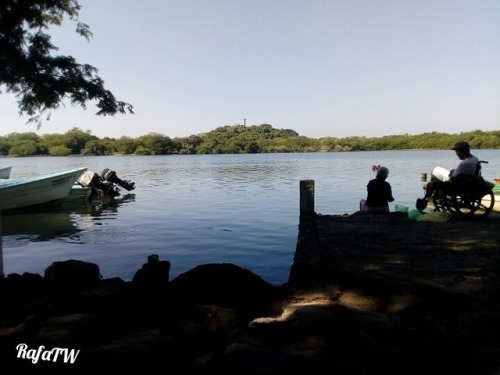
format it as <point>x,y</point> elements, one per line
<point>63,221</point>
<point>97,207</point>
<point>39,226</point>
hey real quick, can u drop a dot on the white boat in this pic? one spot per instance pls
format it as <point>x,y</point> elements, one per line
<point>51,188</point>
<point>496,193</point>
<point>79,193</point>
<point>5,172</point>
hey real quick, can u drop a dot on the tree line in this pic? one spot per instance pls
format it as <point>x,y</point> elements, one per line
<point>32,69</point>
<point>229,139</point>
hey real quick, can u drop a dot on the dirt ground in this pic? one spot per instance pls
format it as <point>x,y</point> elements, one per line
<point>439,281</point>
<point>392,247</point>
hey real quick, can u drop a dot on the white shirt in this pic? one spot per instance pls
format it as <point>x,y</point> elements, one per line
<point>466,166</point>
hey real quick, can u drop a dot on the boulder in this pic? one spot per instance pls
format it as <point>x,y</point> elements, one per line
<point>72,274</point>
<point>225,285</point>
<point>153,275</point>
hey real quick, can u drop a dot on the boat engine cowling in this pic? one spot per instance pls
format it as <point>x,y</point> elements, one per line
<point>93,180</point>
<point>110,175</point>
<point>105,186</point>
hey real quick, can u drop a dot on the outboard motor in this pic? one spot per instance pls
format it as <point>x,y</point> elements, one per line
<point>110,176</point>
<point>93,180</point>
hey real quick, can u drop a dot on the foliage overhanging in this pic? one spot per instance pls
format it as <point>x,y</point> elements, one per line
<point>40,79</point>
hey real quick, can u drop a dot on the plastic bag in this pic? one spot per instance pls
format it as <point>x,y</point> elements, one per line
<point>400,208</point>
<point>414,214</point>
<point>436,217</point>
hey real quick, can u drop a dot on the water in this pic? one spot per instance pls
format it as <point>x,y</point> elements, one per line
<point>197,209</point>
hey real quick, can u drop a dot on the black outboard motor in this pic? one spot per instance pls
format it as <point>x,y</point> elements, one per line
<point>107,188</point>
<point>110,175</point>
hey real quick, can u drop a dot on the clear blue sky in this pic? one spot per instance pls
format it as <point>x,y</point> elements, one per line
<point>320,67</point>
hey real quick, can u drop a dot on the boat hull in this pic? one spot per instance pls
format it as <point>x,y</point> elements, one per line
<point>46,189</point>
<point>79,193</point>
<point>496,193</point>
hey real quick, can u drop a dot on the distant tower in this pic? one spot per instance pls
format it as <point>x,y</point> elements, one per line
<point>244,122</point>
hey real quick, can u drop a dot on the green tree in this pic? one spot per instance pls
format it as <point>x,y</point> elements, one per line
<point>27,136</point>
<point>109,144</point>
<point>30,70</point>
<point>187,145</point>
<point>24,148</point>
<point>141,150</point>
<point>125,145</point>
<point>59,151</point>
<point>94,147</point>
<point>51,140</point>
<point>75,139</point>
<point>4,146</point>
<point>157,144</point>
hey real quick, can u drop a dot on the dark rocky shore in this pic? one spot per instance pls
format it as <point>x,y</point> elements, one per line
<point>367,294</point>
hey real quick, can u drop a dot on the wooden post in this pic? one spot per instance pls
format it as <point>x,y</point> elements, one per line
<point>1,248</point>
<point>307,197</point>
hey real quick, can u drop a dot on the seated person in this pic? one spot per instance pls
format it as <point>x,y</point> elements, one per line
<point>463,173</point>
<point>379,193</point>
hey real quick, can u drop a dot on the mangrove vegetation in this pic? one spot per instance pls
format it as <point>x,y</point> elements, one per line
<point>230,139</point>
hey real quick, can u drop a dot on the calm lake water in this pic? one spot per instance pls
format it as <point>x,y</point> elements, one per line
<point>197,209</point>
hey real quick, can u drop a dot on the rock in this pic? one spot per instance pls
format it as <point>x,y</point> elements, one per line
<point>225,285</point>
<point>72,274</point>
<point>153,275</point>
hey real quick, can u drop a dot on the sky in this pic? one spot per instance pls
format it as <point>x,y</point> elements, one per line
<point>324,68</point>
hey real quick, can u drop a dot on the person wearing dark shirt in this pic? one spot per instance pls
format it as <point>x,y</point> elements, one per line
<point>379,193</point>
